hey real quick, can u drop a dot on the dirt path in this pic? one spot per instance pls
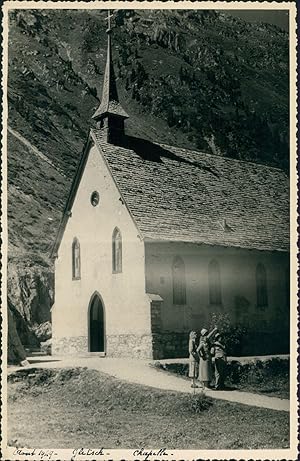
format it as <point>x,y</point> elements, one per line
<point>36,152</point>
<point>140,372</point>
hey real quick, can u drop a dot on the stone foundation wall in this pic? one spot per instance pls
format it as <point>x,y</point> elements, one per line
<point>69,346</point>
<point>159,345</point>
<point>169,344</point>
<point>165,344</point>
<point>133,346</point>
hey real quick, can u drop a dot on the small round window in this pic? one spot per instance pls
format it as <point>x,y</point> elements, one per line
<point>95,198</point>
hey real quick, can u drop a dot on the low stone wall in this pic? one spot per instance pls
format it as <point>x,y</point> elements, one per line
<point>69,346</point>
<point>130,345</point>
<point>133,346</point>
<point>165,344</point>
<point>169,344</point>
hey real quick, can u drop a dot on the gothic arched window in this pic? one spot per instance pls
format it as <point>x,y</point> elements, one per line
<point>179,285</point>
<point>214,281</point>
<point>261,287</point>
<point>116,251</point>
<point>75,259</point>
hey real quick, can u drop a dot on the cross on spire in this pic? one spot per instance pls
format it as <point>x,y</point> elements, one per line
<point>109,15</point>
<point>110,106</point>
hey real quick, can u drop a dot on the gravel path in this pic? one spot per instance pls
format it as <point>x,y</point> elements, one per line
<point>140,372</point>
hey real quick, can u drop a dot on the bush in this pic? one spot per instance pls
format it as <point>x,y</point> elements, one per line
<point>41,377</point>
<point>197,403</point>
<point>257,372</point>
<point>233,335</point>
<point>181,369</point>
<point>66,374</point>
<point>32,377</point>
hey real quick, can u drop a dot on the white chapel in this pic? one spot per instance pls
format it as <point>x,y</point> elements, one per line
<point>156,238</point>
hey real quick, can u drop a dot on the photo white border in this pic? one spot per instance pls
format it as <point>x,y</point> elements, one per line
<point>67,454</point>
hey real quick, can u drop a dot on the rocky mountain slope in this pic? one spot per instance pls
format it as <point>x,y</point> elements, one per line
<point>200,79</point>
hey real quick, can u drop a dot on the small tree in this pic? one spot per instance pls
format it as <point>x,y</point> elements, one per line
<point>233,335</point>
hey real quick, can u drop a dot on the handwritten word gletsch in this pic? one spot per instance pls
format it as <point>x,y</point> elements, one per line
<point>142,453</point>
<point>88,452</point>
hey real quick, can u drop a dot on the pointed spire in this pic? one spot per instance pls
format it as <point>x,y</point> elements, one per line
<point>110,104</point>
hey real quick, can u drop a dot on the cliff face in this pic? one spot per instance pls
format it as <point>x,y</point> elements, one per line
<point>30,291</point>
<point>30,297</point>
<point>200,79</point>
<point>15,351</point>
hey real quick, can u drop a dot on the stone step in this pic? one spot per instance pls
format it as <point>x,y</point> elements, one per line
<point>92,354</point>
<point>34,352</point>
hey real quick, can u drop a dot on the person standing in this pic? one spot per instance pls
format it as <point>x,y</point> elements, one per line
<point>193,358</point>
<point>205,364</point>
<point>218,350</point>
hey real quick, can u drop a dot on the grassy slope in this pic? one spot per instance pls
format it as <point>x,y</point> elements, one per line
<point>31,200</point>
<point>79,407</point>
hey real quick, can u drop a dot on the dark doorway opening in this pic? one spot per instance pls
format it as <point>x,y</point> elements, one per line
<point>96,325</point>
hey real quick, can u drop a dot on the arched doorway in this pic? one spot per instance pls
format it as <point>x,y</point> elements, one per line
<point>96,325</point>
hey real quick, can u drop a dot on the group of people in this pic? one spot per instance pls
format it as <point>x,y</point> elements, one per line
<point>207,359</point>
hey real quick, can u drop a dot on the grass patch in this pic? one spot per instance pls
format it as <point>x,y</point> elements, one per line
<point>80,407</point>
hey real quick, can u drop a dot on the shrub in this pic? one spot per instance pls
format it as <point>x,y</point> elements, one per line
<point>41,377</point>
<point>66,374</point>
<point>197,403</point>
<point>233,335</point>
<point>181,369</point>
<point>31,377</point>
<point>253,373</point>
<point>258,372</point>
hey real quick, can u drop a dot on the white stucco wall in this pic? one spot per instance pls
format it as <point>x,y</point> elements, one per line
<point>123,294</point>
<point>238,278</point>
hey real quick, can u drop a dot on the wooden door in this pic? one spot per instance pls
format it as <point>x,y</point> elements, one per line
<point>96,325</point>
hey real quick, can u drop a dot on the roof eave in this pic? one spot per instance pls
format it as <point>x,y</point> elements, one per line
<point>71,197</point>
<point>149,239</point>
<point>100,114</point>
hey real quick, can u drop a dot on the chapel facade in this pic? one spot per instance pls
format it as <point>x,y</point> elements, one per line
<point>154,239</point>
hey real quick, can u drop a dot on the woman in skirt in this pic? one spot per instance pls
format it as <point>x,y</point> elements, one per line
<point>205,365</point>
<point>193,358</point>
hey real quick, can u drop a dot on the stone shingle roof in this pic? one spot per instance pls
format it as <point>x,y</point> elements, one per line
<point>182,195</point>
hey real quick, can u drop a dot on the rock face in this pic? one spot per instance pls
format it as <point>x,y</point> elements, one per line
<point>15,351</point>
<point>30,297</point>
<point>43,332</point>
<point>46,347</point>
<point>30,290</point>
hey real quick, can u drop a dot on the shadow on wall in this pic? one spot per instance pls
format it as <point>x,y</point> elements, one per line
<point>266,343</point>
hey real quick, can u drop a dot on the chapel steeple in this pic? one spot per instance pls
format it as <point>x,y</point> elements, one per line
<point>110,114</point>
